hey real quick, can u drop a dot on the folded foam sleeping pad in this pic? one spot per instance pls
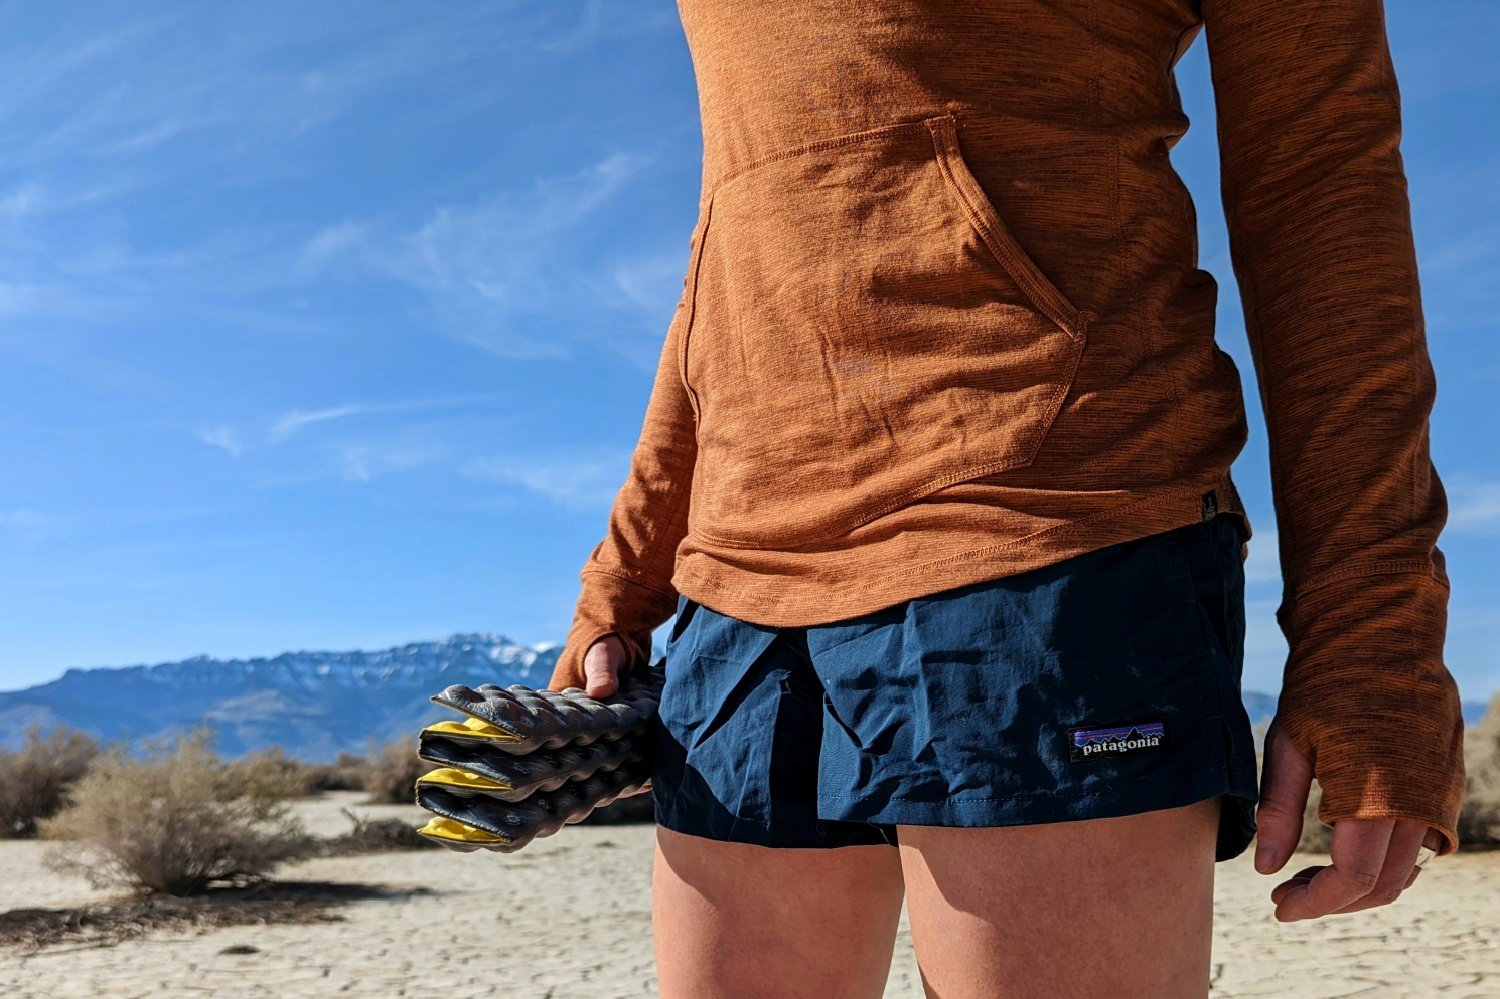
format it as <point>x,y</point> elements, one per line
<point>524,762</point>
<point>513,778</point>
<point>522,719</point>
<point>507,826</point>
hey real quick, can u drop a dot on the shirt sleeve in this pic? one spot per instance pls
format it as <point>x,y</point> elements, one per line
<point>1315,199</point>
<point>627,585</point>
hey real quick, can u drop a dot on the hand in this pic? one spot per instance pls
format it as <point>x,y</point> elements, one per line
<point>1374,860</point>
<point>601,666</point>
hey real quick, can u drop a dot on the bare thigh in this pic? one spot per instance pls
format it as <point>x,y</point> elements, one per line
<point>736,920</point>
<point>1118,906</point>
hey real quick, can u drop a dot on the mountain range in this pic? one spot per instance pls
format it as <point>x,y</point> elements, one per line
<point>312,704</point>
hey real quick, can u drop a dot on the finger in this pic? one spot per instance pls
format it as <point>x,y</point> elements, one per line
<point>1301,878</point>
<point>601,666</point>
<point>1283,798</point>
<point>1358,853</point>
<point>1400,862</point>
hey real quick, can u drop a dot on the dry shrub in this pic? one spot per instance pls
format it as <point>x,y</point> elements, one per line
<point>375,836</point>
<point>392,772</point>
<point>347,773</point>
<point>1479,822</point>
<point>33,780</point>
<point>173,820</point>
<point>300,778</point>
<point>275,773</point>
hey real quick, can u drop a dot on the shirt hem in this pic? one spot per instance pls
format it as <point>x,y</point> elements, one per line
<point>788,599</point>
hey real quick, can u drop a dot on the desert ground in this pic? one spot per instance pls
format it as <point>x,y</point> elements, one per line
<point>590,886</point>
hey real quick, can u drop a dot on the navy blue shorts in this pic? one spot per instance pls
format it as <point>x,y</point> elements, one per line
<point>1106,684</point>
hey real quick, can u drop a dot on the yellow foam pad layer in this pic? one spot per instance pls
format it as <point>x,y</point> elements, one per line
<point>471,728</point>
<point>440,828</point>
<point>451,777</point>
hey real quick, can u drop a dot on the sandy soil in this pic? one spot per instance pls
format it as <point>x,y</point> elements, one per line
<point>591,885</point>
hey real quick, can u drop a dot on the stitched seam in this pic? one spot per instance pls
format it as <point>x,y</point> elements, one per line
<point>1250,300</point>
<point>1374,569</point>
<point>692,304</point>
<point>1064,530</point>
<point>1011,256</point>
<point>863,135</point>
<point>597,570</point>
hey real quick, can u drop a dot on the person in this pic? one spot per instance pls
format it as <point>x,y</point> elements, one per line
<point>934,475</point>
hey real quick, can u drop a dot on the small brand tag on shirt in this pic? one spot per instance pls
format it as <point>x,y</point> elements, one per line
<point>1086,744</point>
<point>1210,504</point>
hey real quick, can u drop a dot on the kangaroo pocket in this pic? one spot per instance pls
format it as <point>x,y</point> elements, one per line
<point>864,330</point>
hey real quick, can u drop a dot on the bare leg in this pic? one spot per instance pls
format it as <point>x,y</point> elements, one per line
<point>733,920</point>
<point>1116,906</point>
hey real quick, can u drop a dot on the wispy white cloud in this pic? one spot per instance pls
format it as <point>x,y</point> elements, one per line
<point>494,269</point>
<point>646,281</point>
<point>294,421</point>
<point>498,249</point>
<point>21,299</point>
<point>1476,510</point>
<point>579,481</point>
<point>225,438</point>
<point>514,272</point>
<point>31,199</point>
<point>243,82</point>
<point>342,239</point>
<point>351,452</point>
<point>19,201</point>
<point>601,19</point>
<point>151,135</point>
<point>364,461</point>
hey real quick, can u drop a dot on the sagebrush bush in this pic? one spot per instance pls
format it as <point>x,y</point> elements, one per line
<point>1479,823</point>
<point>276,773</point>
<point>392,772</point>
<point>174,819</point>
<point>33,779</point>
<point>371,835</point>
<point>347,773</point>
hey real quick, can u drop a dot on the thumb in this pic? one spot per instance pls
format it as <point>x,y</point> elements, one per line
<point>601,666</point>
<point>1285,785</point>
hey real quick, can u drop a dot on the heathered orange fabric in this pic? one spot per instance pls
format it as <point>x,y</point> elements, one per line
<point>943,321</point>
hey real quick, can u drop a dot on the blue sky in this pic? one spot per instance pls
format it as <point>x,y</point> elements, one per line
<point>331,326</point>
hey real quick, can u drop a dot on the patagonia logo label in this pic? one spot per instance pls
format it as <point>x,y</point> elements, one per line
<point>1116,740</point>
<point>1210,504</point>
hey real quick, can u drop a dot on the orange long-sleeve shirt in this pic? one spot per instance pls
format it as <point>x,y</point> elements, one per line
<point>943,321</point>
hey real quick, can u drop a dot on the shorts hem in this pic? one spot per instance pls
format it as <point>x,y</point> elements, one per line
<point>762,834</point>
<point>1236,828</point>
